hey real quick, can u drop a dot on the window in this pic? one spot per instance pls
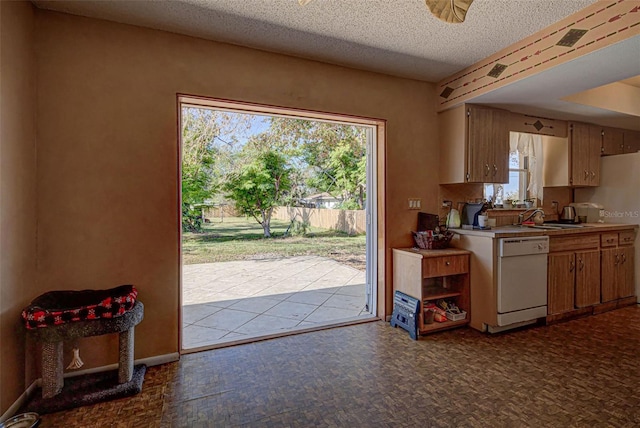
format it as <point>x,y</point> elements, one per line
<point>516,188</point>
<point>525,171</point>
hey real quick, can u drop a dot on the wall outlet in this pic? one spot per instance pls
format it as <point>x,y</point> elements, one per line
<point>415,203</point>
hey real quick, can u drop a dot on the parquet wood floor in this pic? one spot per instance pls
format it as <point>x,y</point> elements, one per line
<point>581,373</point>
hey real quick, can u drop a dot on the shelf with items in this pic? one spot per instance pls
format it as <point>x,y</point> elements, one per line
<point>431,276</point>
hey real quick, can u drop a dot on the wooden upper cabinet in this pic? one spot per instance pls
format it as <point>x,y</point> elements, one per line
<point>488,145</point>
<point>474,146</point>
<point>612,141</point>
<point>631,141</point>
<point>537,125</point>
<point>585,141</point>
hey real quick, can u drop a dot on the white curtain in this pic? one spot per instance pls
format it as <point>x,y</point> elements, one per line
<point>530,145</point>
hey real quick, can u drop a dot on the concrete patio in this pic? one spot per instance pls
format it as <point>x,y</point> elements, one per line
<point>231,301</point>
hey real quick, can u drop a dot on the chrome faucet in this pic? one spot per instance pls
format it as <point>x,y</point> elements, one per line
<point>522,219</point>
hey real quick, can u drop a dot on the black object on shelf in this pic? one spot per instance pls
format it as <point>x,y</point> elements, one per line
<point>427,221</point>
<point>405,313</point>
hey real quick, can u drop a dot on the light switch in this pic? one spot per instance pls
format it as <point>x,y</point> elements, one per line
<point>415,203</point>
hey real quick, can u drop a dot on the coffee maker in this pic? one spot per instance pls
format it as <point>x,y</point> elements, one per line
<point>470,213</point>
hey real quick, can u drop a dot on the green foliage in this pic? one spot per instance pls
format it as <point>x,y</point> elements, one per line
<point>326,157</point>
<point>299,228</point>
<point>344,172</point>
<point>205,158</point>
<point>280,165</point>
<point>260,186</point>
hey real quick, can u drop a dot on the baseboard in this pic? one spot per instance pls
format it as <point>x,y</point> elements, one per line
<point>28,393</point>
<point>21,401</point>
<point>149,362</point>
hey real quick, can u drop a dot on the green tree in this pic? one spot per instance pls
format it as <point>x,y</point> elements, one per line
<point>206,157</point>
<point>343,174</point>
<point>259,186</point>
<point>327,157</point>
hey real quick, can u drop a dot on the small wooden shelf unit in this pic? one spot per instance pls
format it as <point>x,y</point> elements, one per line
<point>429,275</point>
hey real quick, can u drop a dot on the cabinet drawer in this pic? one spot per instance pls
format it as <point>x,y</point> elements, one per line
<point>627,238</point>
<point>609,239</point>
<point>443,266</point>
<point>575,242</point>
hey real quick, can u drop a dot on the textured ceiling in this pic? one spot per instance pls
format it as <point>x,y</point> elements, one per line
<point>397,37</point>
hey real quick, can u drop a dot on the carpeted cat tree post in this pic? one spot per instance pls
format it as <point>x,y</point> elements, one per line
<point>60,316</point>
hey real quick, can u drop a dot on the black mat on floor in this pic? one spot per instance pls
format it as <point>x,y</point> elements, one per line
<point>87,389</point>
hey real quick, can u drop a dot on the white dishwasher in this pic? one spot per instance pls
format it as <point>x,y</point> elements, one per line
<point>522,281</point>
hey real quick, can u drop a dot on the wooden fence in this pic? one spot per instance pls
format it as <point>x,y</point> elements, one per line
<point>348,221</point>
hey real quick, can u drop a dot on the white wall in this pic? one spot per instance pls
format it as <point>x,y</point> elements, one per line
<point>619,192</point>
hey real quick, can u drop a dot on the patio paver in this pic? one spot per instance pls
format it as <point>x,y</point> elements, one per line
<point>228,301</point>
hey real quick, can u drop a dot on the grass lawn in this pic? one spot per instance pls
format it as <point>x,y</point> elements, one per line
<point>239,238</point>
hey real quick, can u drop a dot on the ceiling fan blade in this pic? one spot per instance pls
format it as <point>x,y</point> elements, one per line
<point>453,11</point>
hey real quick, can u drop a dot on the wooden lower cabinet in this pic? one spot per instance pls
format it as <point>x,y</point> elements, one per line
<point>561,271</point>
<point>609,274</point>
<point>626,284</point>
<point>574,280</point>
<point>617,273</point>
<point>587,278</point>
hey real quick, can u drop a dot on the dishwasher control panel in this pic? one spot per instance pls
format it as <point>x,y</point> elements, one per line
<point>509,247</point>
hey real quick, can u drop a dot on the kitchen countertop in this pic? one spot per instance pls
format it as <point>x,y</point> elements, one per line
<point>512,231</point>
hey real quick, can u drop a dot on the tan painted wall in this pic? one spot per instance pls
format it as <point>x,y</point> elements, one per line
<point>17,191</point>
<point>107,151</point>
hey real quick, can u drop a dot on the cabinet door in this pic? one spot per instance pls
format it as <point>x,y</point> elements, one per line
<point>487,146</point>
<point>479,145</point>
<point>587,278</point>
<point>586,142</point>
<point>625,274</point>
<point>612,141</point>
<point>500,147</point>
<point>560,284</point>
<point>595,147</point>
<point>579,154</point>
<point>609,260</point>
<point>631,141</point>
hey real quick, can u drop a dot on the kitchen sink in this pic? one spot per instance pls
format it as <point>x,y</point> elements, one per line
<point>558,226</point>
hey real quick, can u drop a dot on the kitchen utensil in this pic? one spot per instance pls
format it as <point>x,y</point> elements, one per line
<point>568,214</point>
<point>593,212</point>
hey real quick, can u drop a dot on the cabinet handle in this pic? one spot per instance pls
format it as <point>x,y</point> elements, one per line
<point>586,174</point>
<point>572,266</point>
<point>593,175</point>
<point>486,165</point>
<point>447,263</point>
<point>617,260</point>
<point>495,170</point>
<point>581,265</point>
<point>624,259</point>
<point>610,240</point>
<point>627,238</point>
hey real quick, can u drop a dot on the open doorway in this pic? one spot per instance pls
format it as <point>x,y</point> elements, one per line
<point>297,255</point>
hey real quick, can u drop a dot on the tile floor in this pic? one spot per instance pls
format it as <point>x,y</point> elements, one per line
<point>231,301</point>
